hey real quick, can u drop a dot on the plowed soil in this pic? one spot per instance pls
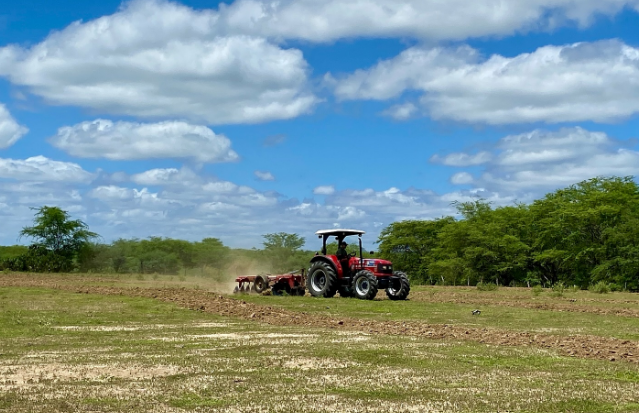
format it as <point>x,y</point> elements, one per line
<point>583,346</point>
<point>566,304</point>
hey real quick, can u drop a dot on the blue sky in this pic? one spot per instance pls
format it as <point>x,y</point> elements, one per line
<point>198,119</point>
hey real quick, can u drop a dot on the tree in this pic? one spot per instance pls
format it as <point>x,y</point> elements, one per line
<point>410,245</point>
<point>54,232</point>
<point>283,252</point>
<point>289,242</point>
<point>211,252</point>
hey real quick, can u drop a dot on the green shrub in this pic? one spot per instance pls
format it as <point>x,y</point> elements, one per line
<point>573,289</point>
<point>487,286</point>
<point>537,289</point>
<point>558,289</point>
<point>601,287</point>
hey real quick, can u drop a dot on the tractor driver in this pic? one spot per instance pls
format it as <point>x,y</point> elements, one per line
<point>343,257</point>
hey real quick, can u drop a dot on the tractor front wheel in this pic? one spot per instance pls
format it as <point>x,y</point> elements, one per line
<point>399,287</point>
<point>364,285</point>
<point>321,280</point>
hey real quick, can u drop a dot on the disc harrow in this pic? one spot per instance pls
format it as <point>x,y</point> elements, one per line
<point>292,283</point>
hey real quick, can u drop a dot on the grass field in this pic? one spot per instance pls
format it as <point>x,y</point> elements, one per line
<point>66,352</point>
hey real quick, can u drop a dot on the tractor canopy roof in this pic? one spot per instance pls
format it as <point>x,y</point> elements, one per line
<point>339,233</point>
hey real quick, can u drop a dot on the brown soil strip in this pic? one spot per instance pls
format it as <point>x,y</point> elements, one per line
<point>563,305</point>
<point>583,346</point>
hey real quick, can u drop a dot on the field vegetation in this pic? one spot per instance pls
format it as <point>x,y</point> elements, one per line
<point>105,343</point>
<point>149,325</point>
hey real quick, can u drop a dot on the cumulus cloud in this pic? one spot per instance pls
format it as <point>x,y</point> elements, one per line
<point>182,203</point>
<point>127,141</point>
<point>324,190</point>
<point>463,159</point>
<point>164,177</point>
<point>264,176</point>
<point>578,82</point>
<point>188,204</point>
<point>402,112</point>
<point>41,169</point>
<point>330,20</point>
<point>154,58</point>
<point>159,59</point>
<point>462,178</point>
<point>538,161</point>
<point>37,181</point>
<point>10,130</point>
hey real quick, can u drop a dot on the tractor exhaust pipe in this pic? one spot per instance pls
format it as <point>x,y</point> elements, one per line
<point>361,254</point>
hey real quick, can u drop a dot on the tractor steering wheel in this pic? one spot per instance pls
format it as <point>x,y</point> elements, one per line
<point>353,254</point>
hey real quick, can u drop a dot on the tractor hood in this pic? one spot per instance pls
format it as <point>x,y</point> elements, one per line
<point>374,262</point>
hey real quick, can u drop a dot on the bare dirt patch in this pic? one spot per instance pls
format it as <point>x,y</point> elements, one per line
<point>583,346</point>
<point>19,376</point>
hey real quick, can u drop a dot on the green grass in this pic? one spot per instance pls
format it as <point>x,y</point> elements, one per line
<point>67,352</point>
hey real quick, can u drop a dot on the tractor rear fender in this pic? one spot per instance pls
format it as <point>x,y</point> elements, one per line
<point>330,260</point>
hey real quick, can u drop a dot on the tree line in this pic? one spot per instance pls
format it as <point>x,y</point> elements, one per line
<point>62,244</point>
<point>581,235</point>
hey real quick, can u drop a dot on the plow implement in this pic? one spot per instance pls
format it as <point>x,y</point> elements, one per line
<point>292,283</point>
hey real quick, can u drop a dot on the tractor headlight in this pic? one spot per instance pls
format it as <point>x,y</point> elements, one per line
<point>385,268</point>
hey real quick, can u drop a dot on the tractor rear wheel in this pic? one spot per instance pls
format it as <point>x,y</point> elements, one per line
<point>260,284</point>
<point>364,285</point>
<point>321,280</point>
<point>398,288</point>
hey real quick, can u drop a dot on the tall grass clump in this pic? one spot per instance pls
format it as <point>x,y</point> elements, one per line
<point>601,287</point>
<point>481,286</point>
<point>558,289</point>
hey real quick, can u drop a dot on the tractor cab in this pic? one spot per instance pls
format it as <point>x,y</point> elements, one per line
<point>342,264</point>
<point>353,275</point>
<point>355,261</point>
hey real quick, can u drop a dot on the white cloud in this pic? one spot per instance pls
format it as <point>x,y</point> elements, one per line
<point>34,182</point>
<point>128,141</point>
<point>331,20</point>
<point>159,59</point>
<point>463,159</point>
<point>10,130</point>
<point>541,161</point>
<point>579,82</point>
<point>156,177</point>
<point>462,178</point>
<point>324,190</point>
<point>192,206</point>
<point>264,176</point>
<point>41,169</point>
<point>402,112</point>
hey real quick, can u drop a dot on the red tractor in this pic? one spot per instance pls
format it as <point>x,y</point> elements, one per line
<point>353,276</point>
